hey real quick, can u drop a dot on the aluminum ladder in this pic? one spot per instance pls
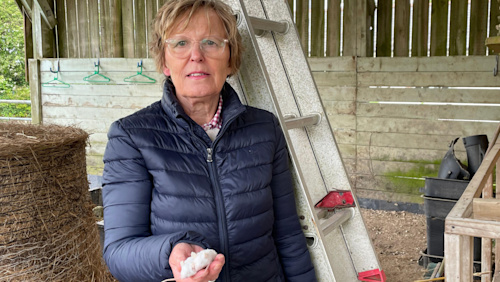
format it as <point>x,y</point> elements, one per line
<point>275,76</point>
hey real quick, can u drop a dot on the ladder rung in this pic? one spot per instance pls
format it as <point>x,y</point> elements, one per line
<point>296,122</point>
<point>336,220</point>
<point>260,26</point>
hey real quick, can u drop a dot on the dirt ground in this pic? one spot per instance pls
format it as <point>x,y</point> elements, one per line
<point>398,239</point>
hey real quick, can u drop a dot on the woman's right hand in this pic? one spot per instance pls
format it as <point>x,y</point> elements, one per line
<point>182,251</point>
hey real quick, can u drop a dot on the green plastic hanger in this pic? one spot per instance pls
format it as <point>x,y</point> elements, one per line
<point>139,74</point>
<point>96,76</point>
<point>56,82</point>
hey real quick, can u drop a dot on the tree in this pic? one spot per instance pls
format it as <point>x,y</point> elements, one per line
<point>12,67</point>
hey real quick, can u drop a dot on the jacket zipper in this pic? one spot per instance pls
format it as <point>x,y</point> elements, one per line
<point>220,212</point>
<point>219,202</point>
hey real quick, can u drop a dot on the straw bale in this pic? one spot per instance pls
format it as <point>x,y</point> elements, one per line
<point>47,229</point>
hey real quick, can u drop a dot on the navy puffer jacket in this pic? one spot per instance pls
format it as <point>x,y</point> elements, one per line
<point>166,182</point>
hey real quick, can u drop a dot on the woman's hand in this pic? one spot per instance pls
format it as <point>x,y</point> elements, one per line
<point>182,251</point>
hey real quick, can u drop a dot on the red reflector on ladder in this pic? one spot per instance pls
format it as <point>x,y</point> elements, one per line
<point>372,275</point>
<point>336,199</point>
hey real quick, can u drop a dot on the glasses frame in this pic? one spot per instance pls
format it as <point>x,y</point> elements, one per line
<point>225,41</point>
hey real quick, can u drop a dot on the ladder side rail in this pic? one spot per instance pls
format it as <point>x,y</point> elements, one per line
<point>343,269</point>
<point>321,138</point>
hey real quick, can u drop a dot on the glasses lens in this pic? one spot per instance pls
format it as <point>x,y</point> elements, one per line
<point>213,46</point>
<point>181,47</point>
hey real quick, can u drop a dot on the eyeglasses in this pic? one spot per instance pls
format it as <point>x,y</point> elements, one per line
<point>211,46</point>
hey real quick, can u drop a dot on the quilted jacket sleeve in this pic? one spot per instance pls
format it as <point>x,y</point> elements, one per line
<point>288,235</point>
<point>131,252</point>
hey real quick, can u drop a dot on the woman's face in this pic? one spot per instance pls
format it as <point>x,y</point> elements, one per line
<point>198,76</point>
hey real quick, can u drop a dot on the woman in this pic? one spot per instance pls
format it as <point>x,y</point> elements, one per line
<point>199,170</point>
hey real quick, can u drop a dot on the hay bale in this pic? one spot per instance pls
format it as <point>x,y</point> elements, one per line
<point>47,229</point>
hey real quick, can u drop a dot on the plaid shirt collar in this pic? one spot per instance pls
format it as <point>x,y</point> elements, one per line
<point>216,121</point>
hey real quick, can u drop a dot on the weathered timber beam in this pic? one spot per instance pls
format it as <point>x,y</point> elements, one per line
<point>486,209</point>
<point>47,13</point>
<point>27,7</point>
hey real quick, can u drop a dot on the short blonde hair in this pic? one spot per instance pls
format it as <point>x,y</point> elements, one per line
<point>173,11</point>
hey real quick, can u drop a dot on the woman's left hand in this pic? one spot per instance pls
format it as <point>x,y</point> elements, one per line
<point>182,251</point>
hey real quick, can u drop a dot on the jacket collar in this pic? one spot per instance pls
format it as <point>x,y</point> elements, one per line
<point>230,108</point>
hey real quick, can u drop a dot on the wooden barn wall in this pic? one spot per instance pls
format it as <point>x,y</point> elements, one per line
<point>395,115</point>
<point>388,114</point>
<point>331,28</point>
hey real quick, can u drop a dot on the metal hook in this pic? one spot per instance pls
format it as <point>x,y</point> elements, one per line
<point>495,69</point>
<point>58,67</point>
<point>139,64</point>
<point>98,63</point>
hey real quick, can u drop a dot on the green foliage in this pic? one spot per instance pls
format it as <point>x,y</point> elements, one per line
<point>13,85</point>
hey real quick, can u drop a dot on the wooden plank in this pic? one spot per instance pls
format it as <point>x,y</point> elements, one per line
<point>439,26</point>
<point>99,101</point>
<point>93,11</point>
<point>47,12</point>
<point>151,10</point>
<point>115,77</point>
<point>369,27</point>
<point>463,208</point>
<point>486,259</point>
<point>128,29</point>
<point>478,27</point>
<point>421,141</point>
<point>416,126</point>
<point>458,28</point>
<point>334,78</point>
<point>442,95</point>
<point>340,107</point>
<point>35,91</point>
<point>459,257</point>
<point>302,23</point>
<point>333,93</point>
<point>61,29</point>
<point>350,20</point>
<point>427,111</point>
<point>497,239</point>
<point>494,21</point>
<point>472,227</point>
<point>333,29</point>
<point>116,23</point>
<point>342,64</point>
<point>388,185</point>
<point>380,168</point>
<point>341,122</point>
<point>105,28</point>
<point>402,29</point>
<point>384,17</point>
<point>72,29</point>
<point>420,28</point>
<point>435,79</point>
<point>317,28</point>
<point>345,136</point>
<point>347,151</point>
<point>107,64</point>
<point>28,43</point>
<point>102,90</point>
<point>427,64</point>
<point>36,20</point>
<point>90,113</point>
<point>89,125</point>
<point>140,29</point>
<point>399,154</point>
<point>83,29</point>
<point>486,209</point>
